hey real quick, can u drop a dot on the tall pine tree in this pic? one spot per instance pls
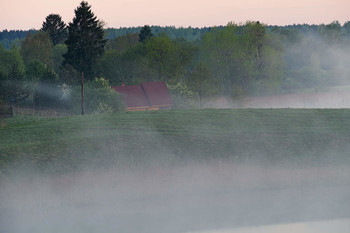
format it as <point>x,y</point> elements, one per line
<point>85,43</point>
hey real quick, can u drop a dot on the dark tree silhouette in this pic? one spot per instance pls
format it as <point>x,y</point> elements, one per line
<point>85,43</point>
<point>56,28</point>
<point>145,33</point>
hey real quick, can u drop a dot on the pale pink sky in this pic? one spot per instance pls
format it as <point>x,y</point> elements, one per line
<point>28,14</point>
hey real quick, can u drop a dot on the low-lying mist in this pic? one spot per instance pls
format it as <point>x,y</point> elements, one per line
<point>174,171</point>
<point>181,197</point>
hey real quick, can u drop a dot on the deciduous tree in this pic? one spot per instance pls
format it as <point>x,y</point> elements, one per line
<point>8,58</point>
<point>123,43</point>
<point>37,46</point>
<point>169,58</point>
<point>12,86</point>
<point>202,82</point>
<point>225,51</point>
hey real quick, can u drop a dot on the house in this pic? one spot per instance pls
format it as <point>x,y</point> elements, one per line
<point>147,96</point>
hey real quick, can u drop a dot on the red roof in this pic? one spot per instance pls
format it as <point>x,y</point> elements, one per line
<point>146,95</point>
<point>157,93</point>
<point>134,95</point>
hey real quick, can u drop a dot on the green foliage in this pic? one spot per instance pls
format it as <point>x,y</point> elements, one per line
<point>202,82</point>
<point>99,97</point>
<point>8,58</point>
<point>185,53</point>
<point>269,72</point>
<point>242,57</point>
<point>56,28</point>
<point>168,58</point>
<point>129,67</point>
<point>37,46</point>
<point>256,36</point>
<point>183,97</point>
<point>189,33</point>
<point>230,58</point>
<point>34,70</point>
<point>159,58</point>
<point>57,56</point>
<point>235,60</point>
<point>160,52</point>
<point>44,88</point>
<point>13,87</point>
<point>123,43</point>
<point>289,36</point>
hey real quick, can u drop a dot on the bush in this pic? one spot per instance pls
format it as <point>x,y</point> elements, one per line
<point>183,97</point>
<point>99,97</point>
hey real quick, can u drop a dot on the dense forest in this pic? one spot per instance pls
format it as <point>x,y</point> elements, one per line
<point>15,37</point>
<point>197,64</point>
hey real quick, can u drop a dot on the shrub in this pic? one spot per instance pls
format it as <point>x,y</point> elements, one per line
<point>183,97</point>
<point>99,97</point>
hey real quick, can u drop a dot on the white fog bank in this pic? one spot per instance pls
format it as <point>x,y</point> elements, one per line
<point>188,198</point>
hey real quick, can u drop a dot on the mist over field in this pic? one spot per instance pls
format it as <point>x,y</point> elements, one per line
<point>175,171</point>
<point>194,197</point>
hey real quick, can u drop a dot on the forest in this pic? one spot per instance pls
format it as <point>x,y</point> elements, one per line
<point>234,61</point>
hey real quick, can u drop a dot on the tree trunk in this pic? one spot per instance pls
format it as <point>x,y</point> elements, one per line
<point>227,87</point>
<point>200,93</point>
<point>82,94</point>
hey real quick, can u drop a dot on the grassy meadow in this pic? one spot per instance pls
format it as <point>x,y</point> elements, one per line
<point>269,136</point>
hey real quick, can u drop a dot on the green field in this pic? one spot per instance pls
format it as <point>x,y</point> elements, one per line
<point>62,144</point>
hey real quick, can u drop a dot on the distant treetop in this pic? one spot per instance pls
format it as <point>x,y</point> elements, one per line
<point>145,33</point>
<point>56,28</point>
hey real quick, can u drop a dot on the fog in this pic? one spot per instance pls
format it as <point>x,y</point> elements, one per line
<point>315,72</point>
<point>321,99</point>
<point>335,98</point>
<point>196,196</point>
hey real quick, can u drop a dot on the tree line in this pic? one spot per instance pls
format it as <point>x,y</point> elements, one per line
<point>9,38</point>
<point>72,66</point>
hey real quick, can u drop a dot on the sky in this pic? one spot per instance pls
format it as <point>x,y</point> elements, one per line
<point>29,14</point>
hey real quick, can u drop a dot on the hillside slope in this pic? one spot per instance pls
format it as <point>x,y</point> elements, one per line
<point>255,135</point>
